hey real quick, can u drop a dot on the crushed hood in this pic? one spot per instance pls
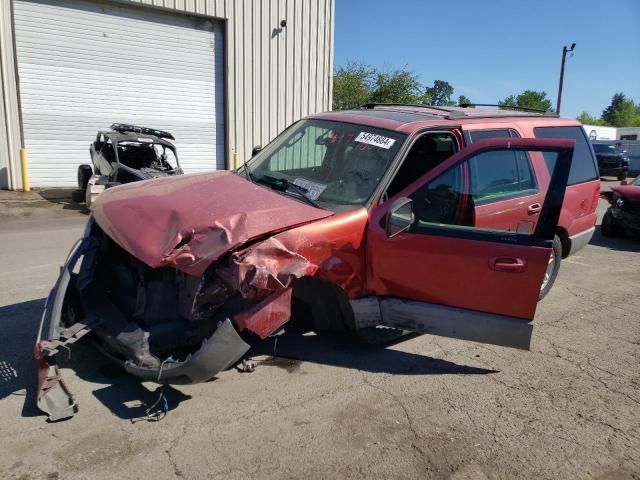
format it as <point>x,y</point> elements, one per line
<point>190,221</point>
<point>627,191</point>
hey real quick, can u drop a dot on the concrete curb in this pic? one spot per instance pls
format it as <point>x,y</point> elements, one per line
<point>39,202</point>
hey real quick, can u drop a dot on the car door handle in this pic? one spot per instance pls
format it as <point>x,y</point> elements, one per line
<point>534,208</point>
<point>508,264</point>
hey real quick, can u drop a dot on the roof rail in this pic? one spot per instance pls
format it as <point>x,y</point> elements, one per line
<point>507,107</point>
<point>451,112</point>
<point>127,128</point>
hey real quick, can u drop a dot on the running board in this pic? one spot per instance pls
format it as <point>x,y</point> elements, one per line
<point>444,321</point>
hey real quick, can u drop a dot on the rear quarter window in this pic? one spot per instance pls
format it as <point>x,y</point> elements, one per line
<point>583,165</point>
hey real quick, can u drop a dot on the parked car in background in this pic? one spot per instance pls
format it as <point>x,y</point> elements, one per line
<point>612,161</point>
<point>408,218</point>
<point>125,154</point>
<point>624,213</point>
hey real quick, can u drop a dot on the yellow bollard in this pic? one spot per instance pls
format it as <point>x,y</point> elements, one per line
<point>24,164</point>
<point>236,160</point>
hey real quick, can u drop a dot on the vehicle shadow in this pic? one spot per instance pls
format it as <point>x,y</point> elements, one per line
<point>345,352</point>
<point>626,244</point>
<point>19,323</point>
<point>62,197</point>
<point>127,397</point>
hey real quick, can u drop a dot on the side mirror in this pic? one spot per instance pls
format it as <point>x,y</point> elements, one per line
<point>400,217</point>
<point>624,182</point>
<point>256,150</point>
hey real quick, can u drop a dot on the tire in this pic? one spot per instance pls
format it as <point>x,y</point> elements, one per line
<point>610,226</point>
<point>84,174</point>
<point>554,266</point>
<point>622,176</point>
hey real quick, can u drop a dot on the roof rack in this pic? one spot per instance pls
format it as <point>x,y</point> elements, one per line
<point>451,112</point>
<point>507,107</point>
<point>454,112</point>
<point>127,128</point>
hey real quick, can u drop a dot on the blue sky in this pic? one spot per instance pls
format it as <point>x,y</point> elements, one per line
<point>493,48</point>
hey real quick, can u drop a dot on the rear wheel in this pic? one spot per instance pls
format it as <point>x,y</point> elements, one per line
<point>622,176</point>
<point>552,267</point>
<point>610,226</point>
<point>84,174</point>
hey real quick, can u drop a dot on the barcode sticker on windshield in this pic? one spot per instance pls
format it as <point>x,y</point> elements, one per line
<point>375,140</point>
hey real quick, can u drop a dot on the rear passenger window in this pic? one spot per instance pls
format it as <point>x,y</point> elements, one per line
<point>583,166</point>
<point>506,174</point>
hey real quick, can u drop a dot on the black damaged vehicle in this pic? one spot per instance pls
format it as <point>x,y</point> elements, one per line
<point>611,160</point>
<point>624,213</point>
<point>125,154</point>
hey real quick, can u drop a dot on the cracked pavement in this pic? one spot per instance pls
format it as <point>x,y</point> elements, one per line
<point>319,407</point>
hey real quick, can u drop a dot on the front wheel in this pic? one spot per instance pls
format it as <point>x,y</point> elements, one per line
<point>552,268</point>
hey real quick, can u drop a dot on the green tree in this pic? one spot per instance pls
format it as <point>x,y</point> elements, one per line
<point>528,99</point>
<point>464,100</point>
<point>586,119</point>
<point>357,83</point>
<point>352,85</point>
<point>622,112</point>
<point>439,94</point>
<point>397,86</point>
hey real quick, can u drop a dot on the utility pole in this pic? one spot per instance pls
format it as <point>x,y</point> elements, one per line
<point>564,56</point>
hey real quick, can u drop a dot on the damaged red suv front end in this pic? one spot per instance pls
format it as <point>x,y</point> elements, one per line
<point>158,274</point>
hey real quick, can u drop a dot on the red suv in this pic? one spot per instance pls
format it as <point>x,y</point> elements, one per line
<point>376,220</point>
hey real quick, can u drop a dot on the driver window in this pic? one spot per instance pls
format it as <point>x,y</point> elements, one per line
<point>427,152</point>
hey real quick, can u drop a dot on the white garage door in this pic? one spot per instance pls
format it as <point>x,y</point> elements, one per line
<point>84,65</point>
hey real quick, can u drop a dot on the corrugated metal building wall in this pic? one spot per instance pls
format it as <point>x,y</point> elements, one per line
<point>275,75</point>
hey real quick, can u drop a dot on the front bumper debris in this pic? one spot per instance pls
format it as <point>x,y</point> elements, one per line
<point>219,351</point>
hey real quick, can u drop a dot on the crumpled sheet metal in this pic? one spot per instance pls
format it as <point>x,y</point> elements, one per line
<point>266,268</point>
<point>267,316</point>
<point>265,271</point>
<point>336,245</point>
<point>190,221</point>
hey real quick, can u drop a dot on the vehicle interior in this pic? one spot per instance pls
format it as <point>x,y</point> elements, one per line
<point>142,159</point>
<point>427,152</point>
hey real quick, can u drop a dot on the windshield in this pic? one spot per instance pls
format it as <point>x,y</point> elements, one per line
<point>636,182</point>
<point>604,148</point>
<point>330,163</point>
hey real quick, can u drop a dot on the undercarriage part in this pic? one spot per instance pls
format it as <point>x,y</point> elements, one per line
<point>123,336</point>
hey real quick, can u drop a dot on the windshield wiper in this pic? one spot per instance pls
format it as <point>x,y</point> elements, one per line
<point>283,185</point>
<point>247,172</point>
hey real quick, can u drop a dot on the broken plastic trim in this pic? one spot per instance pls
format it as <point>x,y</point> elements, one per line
<point>218,352</point>
<point>53,397</point>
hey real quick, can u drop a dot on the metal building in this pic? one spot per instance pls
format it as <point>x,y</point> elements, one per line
<point>222,75</point>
